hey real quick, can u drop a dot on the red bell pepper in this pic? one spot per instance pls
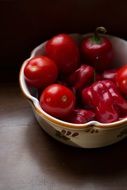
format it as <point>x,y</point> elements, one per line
<point>119,102</point>
<point>81,77</point>
<point>81,116</point>
<point>104,98</point>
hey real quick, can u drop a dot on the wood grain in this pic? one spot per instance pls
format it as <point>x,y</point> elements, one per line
<point>31,160</point>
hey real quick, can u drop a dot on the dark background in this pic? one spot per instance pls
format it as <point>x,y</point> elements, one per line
<point>25,24</point>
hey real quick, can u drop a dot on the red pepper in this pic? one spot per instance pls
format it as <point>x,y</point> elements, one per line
<point>119,102</point>
<point>81,77</point>
<point>109,74</point>
<point>105,99</point>
<point>81,116</point>
<point>97,50</point>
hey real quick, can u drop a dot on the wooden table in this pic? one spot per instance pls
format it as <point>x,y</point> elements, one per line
<point>31,160</point>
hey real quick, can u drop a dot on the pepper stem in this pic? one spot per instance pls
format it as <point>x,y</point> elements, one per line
<point>100,29</point>
<point>96,36</point>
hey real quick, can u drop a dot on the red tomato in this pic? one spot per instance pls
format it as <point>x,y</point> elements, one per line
<point>121,79</point>
<point>57,100</point>
<point>40,71</point>
<point>64,51</point>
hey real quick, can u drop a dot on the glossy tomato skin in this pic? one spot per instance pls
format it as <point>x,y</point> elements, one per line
<point>63,50</point>
<point>57,100</point>
<point>40,71</point>
<point>99,54</point>
<point>121,79</point>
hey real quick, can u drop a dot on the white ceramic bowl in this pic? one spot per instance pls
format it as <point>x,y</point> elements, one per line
<point>89,135</point>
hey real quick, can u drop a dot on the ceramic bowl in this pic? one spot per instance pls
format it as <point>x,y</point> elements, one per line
<point>89,135</point>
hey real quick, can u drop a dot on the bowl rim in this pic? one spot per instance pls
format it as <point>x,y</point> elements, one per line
<point>51,119</point>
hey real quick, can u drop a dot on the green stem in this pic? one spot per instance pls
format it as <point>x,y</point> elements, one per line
<point>96,37</point>
<point>100,29</point>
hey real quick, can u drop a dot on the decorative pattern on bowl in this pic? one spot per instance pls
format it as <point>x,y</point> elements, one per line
<point>89,135</point>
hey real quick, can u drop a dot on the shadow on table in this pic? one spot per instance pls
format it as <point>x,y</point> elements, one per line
<point>63,161</point>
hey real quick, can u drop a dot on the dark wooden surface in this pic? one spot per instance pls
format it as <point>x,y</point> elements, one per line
<point>31,160</point>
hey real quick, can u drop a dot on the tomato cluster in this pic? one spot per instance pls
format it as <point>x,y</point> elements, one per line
<point>78,82</point>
